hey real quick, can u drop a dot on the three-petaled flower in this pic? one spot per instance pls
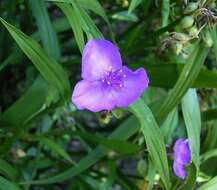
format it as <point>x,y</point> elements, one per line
<point>182,157</point>
<point>106,83</point>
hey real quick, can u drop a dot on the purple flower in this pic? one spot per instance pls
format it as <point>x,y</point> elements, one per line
<point>182,157</point>
<point>106,83</point>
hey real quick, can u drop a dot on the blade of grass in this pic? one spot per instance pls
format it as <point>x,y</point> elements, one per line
<point>75,23</point>
<point>45,27</point>
<point>7,185</point>
<point>52,72</point>
<point>165,12</point>
<point>185,80</point>
<point>8,170</point>
<point>124,131</point>
<point>154,139</point>
<point>210,185</point>
<point>192,118</point>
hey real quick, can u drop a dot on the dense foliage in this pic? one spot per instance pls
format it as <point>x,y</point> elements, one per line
<point>47,143</point>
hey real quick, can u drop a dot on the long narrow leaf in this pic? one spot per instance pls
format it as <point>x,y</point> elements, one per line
<point>191,113</point>
<point>47,33</point>
<point>185,80</point>
<point>154,139</point>
<point>52,72</point>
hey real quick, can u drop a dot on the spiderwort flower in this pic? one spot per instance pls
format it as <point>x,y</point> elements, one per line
<point>106,83</point>
<point>182,157</point>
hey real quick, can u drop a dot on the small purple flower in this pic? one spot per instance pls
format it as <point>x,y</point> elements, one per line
<point>182,157</point>
<point>106,83</point>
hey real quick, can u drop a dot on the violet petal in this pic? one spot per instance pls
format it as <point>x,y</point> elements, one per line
<point>182,152</point>
<point>99,56</point>
<point>91,96</point>
<point>179,170</point>
<point>134,84</point>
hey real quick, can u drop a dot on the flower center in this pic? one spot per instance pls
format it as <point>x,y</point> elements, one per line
<point>114,79</point>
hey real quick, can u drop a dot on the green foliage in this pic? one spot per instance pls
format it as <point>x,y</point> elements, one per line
<point>46,143</point>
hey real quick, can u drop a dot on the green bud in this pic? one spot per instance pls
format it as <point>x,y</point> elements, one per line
<point>187,22</point>
<point>191,7</point>
<point>193,32</point>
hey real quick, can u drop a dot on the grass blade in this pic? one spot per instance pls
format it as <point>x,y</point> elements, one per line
<point>46,30</point>
<point>210,185</point>
<point>124,131</point>
<point>52,72</point>
<point>8,170</point>
<point>191,113</point>
<point>186,79</point>
<point>7,185</point>
<point>154,139</point>
<point>75,23</point>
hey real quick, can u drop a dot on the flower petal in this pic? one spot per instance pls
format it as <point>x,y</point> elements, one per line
<point>92,96</point>
<point>182,152</point>
<point>179,170</point>
<point>99,56</point>
<point>134,84</point>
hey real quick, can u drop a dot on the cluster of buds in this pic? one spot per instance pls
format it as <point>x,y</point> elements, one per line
<point>199,19</point>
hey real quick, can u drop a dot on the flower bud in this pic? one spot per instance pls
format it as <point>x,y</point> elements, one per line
<point>191,7</point>
<point>187,22</point>
<point>193,32</point>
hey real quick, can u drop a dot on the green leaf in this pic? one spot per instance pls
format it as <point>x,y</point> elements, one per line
<point>169,126</point>
<point>87,23</point>
<point>190,180</point>
<point>8,170</point>
<point>134,4</point>
<point>158,75</point>
<point>213,34</point>
<point>207,155</point>
<point>52,72</point>
<point>93,5</point>
<point>75,23</point>
<point>185,80</point>
<point>16,115</point>
<point>125,15</point>
<point>191,113</point>
<point>124,131</point>
<point>46,31</point>
<point>55,148</point>
<point>154,139</point>
<point>165,12</point>
<point>121,147</point>
<point>7,185</point>
<point>151,175</point>
<point>210,185</point>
